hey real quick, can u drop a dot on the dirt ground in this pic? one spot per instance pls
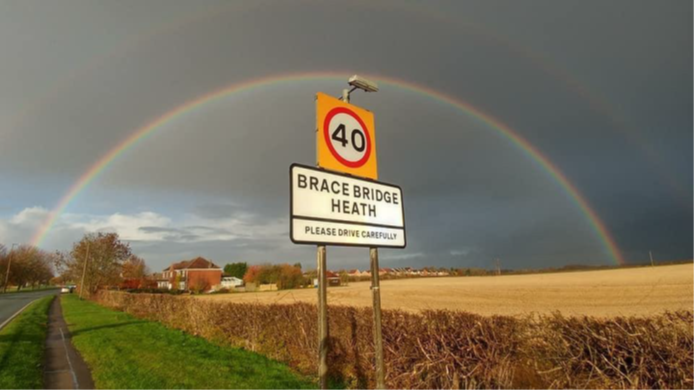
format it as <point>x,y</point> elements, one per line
<point>631,291</point>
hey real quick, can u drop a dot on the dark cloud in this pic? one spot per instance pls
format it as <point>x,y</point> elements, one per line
<point>604,92</point>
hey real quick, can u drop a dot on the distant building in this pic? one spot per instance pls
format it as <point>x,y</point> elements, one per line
<point>231,281</point>
<point>399,271</point>
<point>384,271</point>
<point>357,273</point>
<point>333,278</point>
<point>411,272</point>
<point>198,273</point>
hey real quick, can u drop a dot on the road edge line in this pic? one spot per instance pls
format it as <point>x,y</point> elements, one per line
<point>7,321</point>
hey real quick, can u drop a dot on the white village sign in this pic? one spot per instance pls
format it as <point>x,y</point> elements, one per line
<point>337,209</point>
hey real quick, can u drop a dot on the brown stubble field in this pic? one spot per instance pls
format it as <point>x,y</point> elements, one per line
<point>631,291</point>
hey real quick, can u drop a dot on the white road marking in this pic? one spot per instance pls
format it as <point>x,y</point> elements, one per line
<point>69,362</point>
<point>15,314</point>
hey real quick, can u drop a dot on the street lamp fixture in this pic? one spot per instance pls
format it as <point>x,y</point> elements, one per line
<point>363,84</point>
<point>358,82</point>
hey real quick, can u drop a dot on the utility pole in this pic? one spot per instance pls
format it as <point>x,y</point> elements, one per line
<point>651,256</point>
<point>498,267</point>
<point>376,296</point>
<point>323,331</point>
<point>9,265</point>
<point>84,271</point>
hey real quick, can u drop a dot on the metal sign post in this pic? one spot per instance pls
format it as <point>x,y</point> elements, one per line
<point>322,317</point>
<point>378,337</point>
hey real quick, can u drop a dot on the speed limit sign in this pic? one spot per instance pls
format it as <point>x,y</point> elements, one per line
<point>345,137</point>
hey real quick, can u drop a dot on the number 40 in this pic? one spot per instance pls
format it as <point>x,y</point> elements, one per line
<point>339,135</point>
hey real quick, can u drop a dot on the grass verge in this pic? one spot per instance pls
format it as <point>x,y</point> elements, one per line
<point>21,347</point>
<point>125,352</point>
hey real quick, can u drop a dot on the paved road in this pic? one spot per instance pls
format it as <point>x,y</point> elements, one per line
<point>11,302</point>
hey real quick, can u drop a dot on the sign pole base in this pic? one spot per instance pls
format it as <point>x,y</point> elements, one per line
<point>378,337</point>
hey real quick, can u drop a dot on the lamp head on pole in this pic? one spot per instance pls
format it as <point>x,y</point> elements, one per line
<point>363,84</point>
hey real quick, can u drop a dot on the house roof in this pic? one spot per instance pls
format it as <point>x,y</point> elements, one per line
<point>198,262</point>
<point>331,274</point>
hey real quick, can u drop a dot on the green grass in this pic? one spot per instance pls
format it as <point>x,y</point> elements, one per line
<point>22,345</point>
<point>125,352</point>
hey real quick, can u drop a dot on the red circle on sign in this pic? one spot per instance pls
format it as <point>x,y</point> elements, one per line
<point>326,136</point>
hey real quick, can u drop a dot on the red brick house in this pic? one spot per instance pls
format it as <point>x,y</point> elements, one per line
<point>196,274</point>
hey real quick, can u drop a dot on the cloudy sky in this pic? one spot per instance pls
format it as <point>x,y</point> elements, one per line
<point>602,89</point>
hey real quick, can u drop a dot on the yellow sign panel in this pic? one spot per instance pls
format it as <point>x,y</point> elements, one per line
<point>345,137</point>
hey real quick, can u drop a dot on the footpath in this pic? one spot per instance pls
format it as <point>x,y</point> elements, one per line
<point>63,365</point>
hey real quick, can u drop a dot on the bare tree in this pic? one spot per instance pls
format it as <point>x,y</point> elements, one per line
<point>107,253</point>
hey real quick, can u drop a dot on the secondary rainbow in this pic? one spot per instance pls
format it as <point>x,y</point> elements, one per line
<point>501,129</point>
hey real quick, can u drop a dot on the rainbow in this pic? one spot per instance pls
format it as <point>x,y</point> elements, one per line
<point>278,79</point>
<point>534,57</point>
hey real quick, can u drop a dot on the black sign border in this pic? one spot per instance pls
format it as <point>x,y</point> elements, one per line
<point>292,216</point>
